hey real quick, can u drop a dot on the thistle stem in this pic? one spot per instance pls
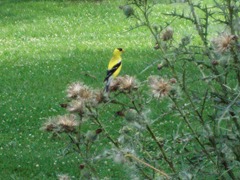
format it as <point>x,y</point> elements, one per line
<point>161,148</point>
<point>148,165</point>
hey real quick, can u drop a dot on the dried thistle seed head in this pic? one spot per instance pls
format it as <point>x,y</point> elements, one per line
<point>86,93</point>
<point>173,81</point>
<point>67,123</point>
<point>167,34</point>
<point>76,106</point>
<point>127,83</point>
<point>63,177</point>
<point>74,89</point>
<point>152,79</point>
<point>223,42</point>
<point>114,85</point>
<point>159,86</point>
<point>79,90</point>
<point>50,125</point>
<point>119,158</point>
<point>98,97</point>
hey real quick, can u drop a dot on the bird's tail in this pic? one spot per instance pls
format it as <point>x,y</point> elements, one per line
<point>107,87</point>
<point>108,81</point>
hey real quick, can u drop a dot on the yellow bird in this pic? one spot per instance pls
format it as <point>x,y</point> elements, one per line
<point>114,67</point>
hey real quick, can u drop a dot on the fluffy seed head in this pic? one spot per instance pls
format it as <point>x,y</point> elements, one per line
<point>79,90</point>
<point>50,125</point>
<point>74,89</point>
<point>63,177</point>
<point>59,124</point>
<point>173,80</point>
<point>127,83</point>
<point>85,93</point>
<point>76,106</point>
<point>168,34</point>
<point>67,123</point>
<point>223,42</point>
<point>159,86</point>
<point>119,158</point>
<point>124,83</point>
<point>115,84</point>
<point>98,97</point>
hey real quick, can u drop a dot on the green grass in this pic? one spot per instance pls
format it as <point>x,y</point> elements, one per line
<point>44,46</point>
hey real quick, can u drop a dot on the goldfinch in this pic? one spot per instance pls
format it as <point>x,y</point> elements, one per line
<point>114,67</point>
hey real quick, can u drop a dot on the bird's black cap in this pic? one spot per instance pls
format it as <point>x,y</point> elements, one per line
<point>120,49</point>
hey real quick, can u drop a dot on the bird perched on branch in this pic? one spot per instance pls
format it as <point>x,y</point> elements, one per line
<point>114,67</point>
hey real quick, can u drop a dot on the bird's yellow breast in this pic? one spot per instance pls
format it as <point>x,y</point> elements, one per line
<point>113,62</point>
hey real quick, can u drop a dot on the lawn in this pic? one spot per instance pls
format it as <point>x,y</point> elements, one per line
<point>44,46</point>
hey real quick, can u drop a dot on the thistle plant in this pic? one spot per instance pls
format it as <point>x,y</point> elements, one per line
<point>213,109</point>
<point>197,87</point>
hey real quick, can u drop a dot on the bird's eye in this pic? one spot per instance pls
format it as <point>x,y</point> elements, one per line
<point>120,49</point>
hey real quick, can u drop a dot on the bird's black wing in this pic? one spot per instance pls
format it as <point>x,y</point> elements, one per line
<point>111,71</point>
